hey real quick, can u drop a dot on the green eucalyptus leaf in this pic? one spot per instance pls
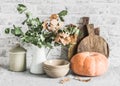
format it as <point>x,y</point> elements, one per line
<point>13,31</point>
<point>17,31</point>
<point>34,41</point>
<point>36,21</point>
<point>23,38</point>
<point>24,21</point>
<point>26,39</point>
<point>39,45</point>
<point>74,30</point>
<point>63,13</point>
<point>28,14</point>
<point>35,24</point>
<point>42,37</point>
<point>56,44</point>
<point>61,18</point>
<point>21,8</point>
<point>48,45</point>
<point>7,30</point>
<point>28,33</point>
<point>28,22</point>
<point>77,32</point>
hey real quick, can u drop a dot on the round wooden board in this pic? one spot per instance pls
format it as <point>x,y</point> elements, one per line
<point>93,43</point>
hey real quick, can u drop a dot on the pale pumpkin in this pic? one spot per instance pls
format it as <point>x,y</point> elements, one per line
<point>89,64</point>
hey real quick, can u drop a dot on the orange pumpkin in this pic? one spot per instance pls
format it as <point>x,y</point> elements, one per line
<point>89,64</point>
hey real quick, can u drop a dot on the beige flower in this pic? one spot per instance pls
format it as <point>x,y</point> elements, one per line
<point>60,25</point>
<point>52,27</point>
<point>55,25</point>
<point>54,22</point>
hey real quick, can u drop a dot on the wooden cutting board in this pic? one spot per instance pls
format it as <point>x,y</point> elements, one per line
<point>84,21</point>
<point>93,43</point>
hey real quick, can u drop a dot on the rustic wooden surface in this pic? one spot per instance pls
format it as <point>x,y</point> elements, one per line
<point>93,43</point>
<point>8,78</point>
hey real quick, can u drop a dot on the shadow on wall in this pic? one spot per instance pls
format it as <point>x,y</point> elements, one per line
<point>3,59</point>
<point>64,53</point>
<point>3,53</point>
<point>57,52</point>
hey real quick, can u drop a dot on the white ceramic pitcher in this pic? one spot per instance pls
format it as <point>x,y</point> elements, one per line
<point>37,60</point>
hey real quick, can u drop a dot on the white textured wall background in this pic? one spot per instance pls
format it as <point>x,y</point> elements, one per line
<point>103,13</point>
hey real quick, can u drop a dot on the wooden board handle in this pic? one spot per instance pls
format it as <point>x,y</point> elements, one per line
<point>97,31</point>
<point>85,20</point>
<point>90,28</point>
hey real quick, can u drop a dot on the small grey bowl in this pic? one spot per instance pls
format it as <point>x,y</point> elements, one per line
<point>56,68</point>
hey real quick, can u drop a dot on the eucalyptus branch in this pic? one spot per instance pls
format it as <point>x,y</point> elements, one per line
<point>35,34</point>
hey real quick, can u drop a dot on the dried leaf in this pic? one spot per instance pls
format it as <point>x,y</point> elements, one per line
<point>83,80</point>
<point>86,80</point>
<point>64,80</point>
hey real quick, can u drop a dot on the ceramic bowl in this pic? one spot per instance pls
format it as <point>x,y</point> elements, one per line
<point>56,68</point>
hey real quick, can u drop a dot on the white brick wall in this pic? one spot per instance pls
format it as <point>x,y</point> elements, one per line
<point>103,13</point>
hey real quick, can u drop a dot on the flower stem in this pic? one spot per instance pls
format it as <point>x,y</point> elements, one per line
<point>48,52</point>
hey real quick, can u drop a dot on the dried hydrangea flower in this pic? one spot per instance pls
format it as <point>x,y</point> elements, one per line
<point>54,16</point>
<point>73,39</point>
<point>63,38</point>
<point>54,22</point>
<point>65,41</point>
